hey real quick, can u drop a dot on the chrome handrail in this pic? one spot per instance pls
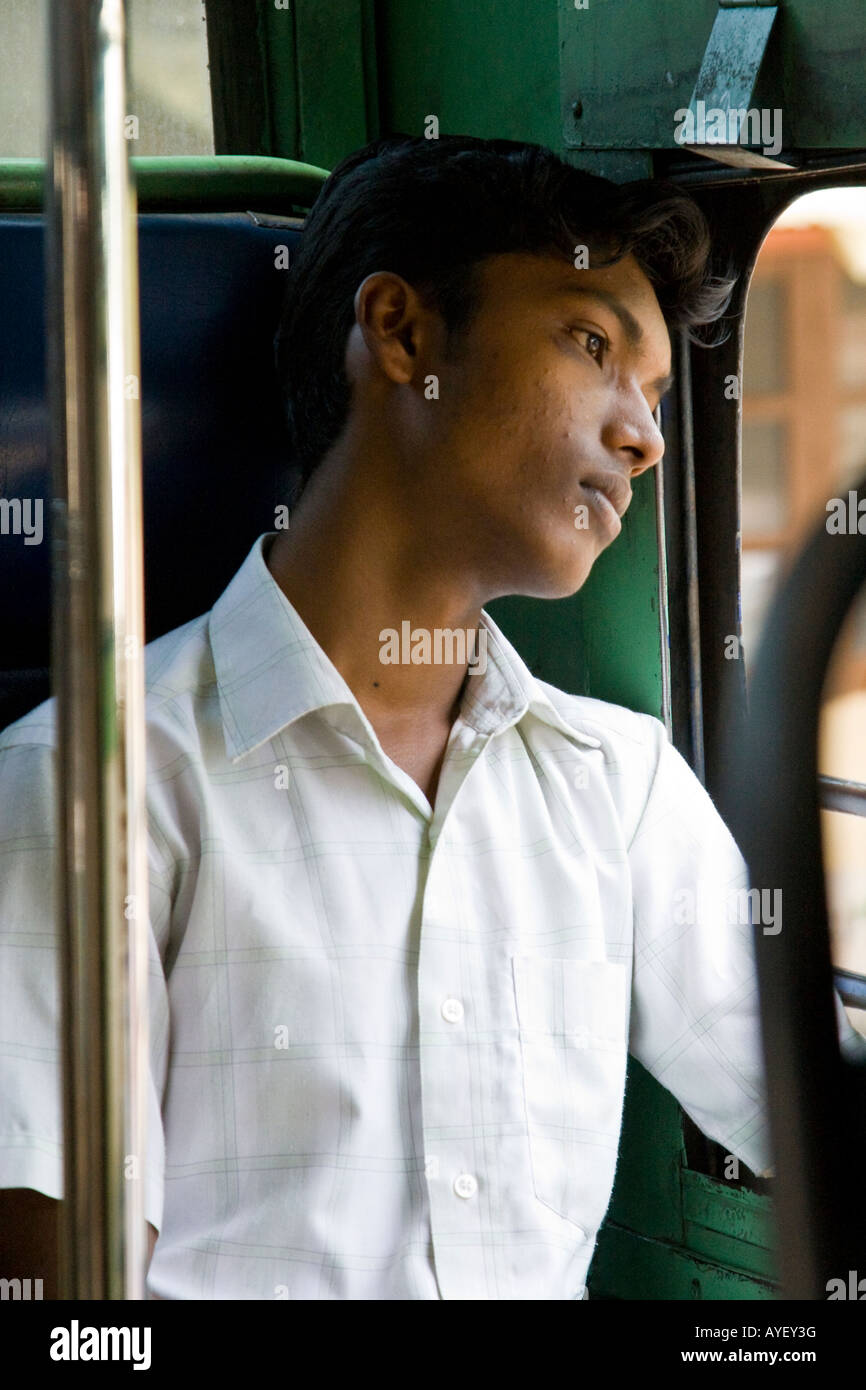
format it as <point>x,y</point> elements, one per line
<point>97,651</point>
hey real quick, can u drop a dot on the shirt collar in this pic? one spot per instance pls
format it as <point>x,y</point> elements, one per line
<point>270,671</point>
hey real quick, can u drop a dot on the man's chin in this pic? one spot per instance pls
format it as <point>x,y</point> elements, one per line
<point>562,579</point>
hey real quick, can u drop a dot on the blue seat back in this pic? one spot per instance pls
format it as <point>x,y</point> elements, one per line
<point>216,459</point>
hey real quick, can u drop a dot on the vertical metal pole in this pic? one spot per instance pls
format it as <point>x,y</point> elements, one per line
<point>664,624</point>
<point>98,630</point>
<point>690,537</point>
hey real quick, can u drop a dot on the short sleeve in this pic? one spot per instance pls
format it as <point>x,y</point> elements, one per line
<point>31,1124</point>
<point>695,1021</point>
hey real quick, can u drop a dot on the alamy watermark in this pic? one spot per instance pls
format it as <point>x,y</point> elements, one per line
<point>22,1290</point>
<point>846,518</point>
<point>439,646</point>
<point>853,1288</point>
<point>729,125</point>
<point>77,1343</point>
<point>22,516</point>
<point>758,906</point>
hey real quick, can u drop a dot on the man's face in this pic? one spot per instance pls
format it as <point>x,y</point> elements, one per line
<point>544,404</point>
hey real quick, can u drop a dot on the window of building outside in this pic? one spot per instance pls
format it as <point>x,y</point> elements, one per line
<point>804,442</point>
<point>169,86</point>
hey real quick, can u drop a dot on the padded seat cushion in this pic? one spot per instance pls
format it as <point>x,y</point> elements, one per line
<point>215,452</point>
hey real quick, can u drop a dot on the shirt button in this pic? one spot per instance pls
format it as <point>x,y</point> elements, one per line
<point>452,1010</point>
<point>465,1185</point>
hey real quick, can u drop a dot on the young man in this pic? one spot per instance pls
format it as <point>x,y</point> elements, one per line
<point>409,916</point>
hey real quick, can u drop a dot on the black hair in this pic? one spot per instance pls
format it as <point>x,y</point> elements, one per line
<point>430,211</point>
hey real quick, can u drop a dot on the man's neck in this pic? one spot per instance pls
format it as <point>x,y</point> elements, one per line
<point>352,568</point>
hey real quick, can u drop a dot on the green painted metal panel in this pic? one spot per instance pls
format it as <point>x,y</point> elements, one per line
<point>620,612</point>
<point>631,64</point>
<point>276,32</point>
<point>332,76</point>
<point>731,1210</point>
<point>313,67</point>
<point>607,78</point>
<point>629,103</point>
<point>730,1251</point>
<point>487,68</point>
<point>631,1266</point>
<point>619,165</point>
<point>647,1192</point>
<point>728,1224</point>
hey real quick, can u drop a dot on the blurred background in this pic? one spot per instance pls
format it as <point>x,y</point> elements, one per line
<point>804,441</point>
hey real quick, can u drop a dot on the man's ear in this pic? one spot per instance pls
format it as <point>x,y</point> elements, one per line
<point>390,318</point>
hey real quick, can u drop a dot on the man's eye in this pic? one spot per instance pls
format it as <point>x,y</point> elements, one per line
<point>596,343</point>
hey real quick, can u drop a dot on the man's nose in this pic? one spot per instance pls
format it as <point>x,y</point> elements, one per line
<point>636,439</point>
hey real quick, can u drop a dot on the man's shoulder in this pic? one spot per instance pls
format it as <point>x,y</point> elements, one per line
<point>179,665</point>
<point>628,743</point>
<point>178,671</point>
<point>620,731</point>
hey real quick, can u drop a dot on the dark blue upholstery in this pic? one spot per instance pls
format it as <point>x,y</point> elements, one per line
<point>216,462</point>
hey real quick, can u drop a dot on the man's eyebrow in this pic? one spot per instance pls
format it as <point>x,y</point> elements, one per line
<point>633,332</point>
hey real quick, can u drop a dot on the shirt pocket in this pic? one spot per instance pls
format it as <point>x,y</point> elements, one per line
<point>573,1025</point>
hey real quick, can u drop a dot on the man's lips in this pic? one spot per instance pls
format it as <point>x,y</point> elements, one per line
<point>613,486</point>
<point>609,494</point>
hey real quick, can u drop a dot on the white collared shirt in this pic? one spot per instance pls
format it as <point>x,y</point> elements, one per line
<point>389,1041</point>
